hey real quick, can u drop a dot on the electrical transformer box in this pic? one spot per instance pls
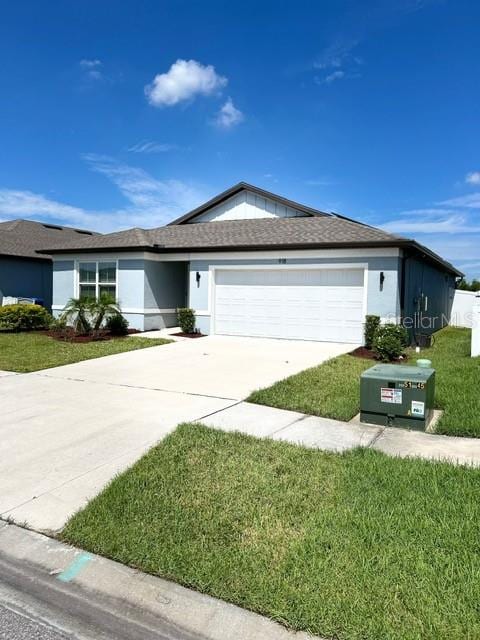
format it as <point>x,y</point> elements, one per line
<point>397,396</point>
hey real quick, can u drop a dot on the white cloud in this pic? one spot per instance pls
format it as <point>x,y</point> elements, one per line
<point>149,146</point>
<point>162,200</point>
<point>473,178</point>
<point>229,115</point>
<point>336,54</point>
<point>318,182</point>
<point>331,77</point>
<point>92,68</point>
<point>335,75</point>
<point>415,222</point>
<point>452,233</point>
<point>90,64</point>
<point>471,201</point>
<point>183,81</point>
<point>26,204</point>
<point>150,202</point>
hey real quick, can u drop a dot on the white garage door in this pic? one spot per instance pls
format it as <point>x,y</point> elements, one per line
<point>310,304</point>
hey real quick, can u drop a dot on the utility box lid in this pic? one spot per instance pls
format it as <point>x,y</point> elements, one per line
<point>398,372</point>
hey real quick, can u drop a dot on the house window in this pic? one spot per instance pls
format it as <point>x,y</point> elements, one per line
<point>97,278</point>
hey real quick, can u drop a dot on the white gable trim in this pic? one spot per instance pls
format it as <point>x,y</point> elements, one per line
<point>247,205</point>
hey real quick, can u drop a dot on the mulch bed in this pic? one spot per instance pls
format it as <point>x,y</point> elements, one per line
<point>189,335</point>
<point>363,352</point>
<point>368,354</point>
<point>69,335</point>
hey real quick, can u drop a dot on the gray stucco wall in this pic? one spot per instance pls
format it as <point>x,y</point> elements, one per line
<point>130,284</point>
<point>165,284</point>
<point>143,286</point>
<point>63,282</point>
<point>427,286</point>
<point>29,278</point>
<point>383,301</point>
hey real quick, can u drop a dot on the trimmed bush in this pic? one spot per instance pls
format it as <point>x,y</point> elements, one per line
<point>24,317</point>
<point>390,341</point>
<point>371,325</point>
<point>186,320</point>
<point>117,325</point>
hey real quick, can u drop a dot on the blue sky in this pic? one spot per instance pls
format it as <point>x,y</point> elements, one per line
<point>120,114</point>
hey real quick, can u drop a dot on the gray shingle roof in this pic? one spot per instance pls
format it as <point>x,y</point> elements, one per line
<point>233,234</point>
<point>23,238</point>
<point>266,233</point>
<point>316,229</point>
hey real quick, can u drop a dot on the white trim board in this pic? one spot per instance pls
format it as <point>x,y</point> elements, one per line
<point>273,254</point>
<point>136,310</point>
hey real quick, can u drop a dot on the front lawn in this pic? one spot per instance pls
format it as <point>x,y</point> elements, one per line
<point>350,546</point>
<point>332,389</point>
<point>24,352</point>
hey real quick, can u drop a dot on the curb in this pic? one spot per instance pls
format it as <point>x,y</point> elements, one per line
<point>120,590</point>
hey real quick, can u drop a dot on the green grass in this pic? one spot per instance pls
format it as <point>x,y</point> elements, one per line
<point>25,352</point>
<point>457,382</point>
<point>350,546</point>
<point>332,389</point>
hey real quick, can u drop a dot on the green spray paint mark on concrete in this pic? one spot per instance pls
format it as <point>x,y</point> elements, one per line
<point>75,567</point>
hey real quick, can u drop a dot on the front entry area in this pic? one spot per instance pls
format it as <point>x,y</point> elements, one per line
<point>326,304</point>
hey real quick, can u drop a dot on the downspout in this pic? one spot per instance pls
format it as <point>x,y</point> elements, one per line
<point>403,271</point>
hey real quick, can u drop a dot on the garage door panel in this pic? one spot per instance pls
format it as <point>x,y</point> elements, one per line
<point>308,304</point>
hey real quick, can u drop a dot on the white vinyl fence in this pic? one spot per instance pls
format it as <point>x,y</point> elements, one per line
<point>476,328</point>
<point>462,309</point>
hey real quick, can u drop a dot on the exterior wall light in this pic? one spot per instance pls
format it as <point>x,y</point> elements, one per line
<point>382,280</point>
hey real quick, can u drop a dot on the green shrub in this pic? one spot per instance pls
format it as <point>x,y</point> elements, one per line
<point>186,320</point>
<point>390,341</point>
<point>117,325</point>
<point>371,325</point>
<point>24,317</point>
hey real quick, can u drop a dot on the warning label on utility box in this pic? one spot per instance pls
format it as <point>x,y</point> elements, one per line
<point>418,408</point>
<point>392,396</point>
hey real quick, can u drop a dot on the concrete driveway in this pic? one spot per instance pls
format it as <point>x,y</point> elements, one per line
<point>65,432</point>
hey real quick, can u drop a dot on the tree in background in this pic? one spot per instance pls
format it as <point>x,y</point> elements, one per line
<point>464,285</point>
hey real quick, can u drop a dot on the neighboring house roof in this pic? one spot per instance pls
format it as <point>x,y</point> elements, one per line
<point>23,238</point>
<point>316,229</point>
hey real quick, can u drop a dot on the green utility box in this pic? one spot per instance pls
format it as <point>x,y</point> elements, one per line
<point>397,396</point>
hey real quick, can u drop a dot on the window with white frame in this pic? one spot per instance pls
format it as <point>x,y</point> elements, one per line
<point>97,278</point>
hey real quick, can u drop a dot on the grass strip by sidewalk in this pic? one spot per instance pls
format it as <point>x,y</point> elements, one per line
<point>26,352</point>
<point>350,546</point>
<point>332,389</point>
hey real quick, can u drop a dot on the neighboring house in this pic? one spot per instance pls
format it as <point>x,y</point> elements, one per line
<point>252,263</point>
<point>23,271</point>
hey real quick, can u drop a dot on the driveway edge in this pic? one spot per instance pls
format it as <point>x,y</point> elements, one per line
<point>116,587</point>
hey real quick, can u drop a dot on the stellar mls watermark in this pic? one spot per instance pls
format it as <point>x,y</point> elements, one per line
<point>421,322</point>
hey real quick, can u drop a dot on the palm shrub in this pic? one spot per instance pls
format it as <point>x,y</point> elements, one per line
<point>102,309</point>
<point>186,320</point>
<point>77,313</point>
<point>87,315</point>
<point>371,325</point>
<point>389,341</point>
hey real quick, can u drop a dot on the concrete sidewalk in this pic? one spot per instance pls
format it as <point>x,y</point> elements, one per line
<point>333,435</point>
<point>82,590</point>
